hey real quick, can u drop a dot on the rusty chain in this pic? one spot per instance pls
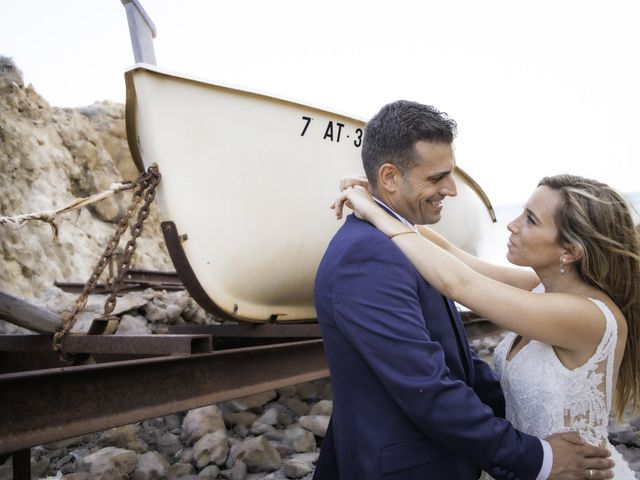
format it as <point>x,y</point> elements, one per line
<point>146,190</point>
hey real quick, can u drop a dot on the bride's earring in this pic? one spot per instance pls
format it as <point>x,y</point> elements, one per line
<point>561,266</point>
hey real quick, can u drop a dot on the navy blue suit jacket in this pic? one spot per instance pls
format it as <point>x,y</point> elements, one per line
<point>410,399</point>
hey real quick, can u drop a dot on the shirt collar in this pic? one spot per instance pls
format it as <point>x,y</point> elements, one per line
<point>396,214</point>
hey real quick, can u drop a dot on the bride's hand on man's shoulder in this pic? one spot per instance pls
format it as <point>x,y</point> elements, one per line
<point>353,180</point>
<point>357,198</point>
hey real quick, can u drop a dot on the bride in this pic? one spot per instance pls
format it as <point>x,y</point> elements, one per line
<point>574,349</point>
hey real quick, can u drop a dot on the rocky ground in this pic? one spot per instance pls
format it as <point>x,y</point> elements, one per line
<point>269,436</point>
<point>274,435</point>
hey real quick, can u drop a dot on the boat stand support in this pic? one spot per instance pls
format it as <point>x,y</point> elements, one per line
<point>21,462</point>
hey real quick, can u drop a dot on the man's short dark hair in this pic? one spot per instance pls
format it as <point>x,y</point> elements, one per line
<point>390,136</point>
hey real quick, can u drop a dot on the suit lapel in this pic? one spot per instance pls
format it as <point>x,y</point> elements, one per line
<point>461,337</point>
<point>454,318</point>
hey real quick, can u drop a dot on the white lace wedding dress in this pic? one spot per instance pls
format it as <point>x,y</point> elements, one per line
<point>544,397</point>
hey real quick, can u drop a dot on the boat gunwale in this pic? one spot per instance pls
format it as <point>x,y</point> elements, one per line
<point>131,130</point>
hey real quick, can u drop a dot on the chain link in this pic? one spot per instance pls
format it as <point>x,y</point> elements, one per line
<point>130,248</point>
<point>146,190</point>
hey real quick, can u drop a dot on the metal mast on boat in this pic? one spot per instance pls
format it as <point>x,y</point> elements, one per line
<point>142,31</point>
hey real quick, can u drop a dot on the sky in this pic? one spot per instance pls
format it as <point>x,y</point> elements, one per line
<point>536,87</point>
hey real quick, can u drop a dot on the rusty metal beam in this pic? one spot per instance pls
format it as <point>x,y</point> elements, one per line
<point>250,334</point>
<point>50,405</point>
<point>132,280</point>
<point>151,276</point>
<point>309,330</point>
<point>111,344</point>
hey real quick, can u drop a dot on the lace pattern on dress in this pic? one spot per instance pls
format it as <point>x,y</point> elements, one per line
<point>544,397</point>
<point>588,400</point>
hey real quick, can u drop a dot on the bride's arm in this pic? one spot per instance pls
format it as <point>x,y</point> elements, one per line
<point>562,320</point>
<point>567,321</point>
<point>516,277</point>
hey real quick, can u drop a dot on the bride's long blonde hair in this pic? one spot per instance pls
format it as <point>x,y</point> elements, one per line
<point>598,221</point>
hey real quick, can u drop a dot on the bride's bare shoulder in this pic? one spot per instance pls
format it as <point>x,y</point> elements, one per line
<point>611,305</point>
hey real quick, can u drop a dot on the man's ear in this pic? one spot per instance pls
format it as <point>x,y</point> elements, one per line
<point>388,177</point>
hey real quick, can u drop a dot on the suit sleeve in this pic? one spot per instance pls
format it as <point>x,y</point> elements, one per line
<point>376,306</point>
<point>487,386</point>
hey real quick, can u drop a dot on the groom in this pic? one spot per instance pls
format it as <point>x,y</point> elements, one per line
<point>411,401</point>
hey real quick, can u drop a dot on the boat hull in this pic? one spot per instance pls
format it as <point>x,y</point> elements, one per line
<point>247,180</point>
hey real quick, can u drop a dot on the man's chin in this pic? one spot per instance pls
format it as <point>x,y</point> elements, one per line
<point>430,220</point>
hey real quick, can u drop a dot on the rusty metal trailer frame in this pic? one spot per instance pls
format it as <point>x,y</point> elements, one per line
<point>134,279</point>
<point>49,405</point>
<point>141,377</point>
<point>43,401</point>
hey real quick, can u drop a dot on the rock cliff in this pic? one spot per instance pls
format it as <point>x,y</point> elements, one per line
<point>49,157</point>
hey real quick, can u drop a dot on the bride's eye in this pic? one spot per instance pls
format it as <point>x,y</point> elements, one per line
<point>530,218</point>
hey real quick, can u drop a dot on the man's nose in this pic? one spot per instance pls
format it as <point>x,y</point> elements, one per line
<point>449,187</point>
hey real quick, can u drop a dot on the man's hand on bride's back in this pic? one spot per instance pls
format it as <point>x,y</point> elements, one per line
<point>573,458</point>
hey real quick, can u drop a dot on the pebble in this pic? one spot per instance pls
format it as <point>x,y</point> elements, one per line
<point>179,470</point>
<point>297,439</point>
<point>201,421</point>
<point>110,462</point>
<point>317,424</point>
<point>211,448</point>
<point>257,454</point>
<point>296,469</point>
<point>151,466</point>
<point>323,407</point>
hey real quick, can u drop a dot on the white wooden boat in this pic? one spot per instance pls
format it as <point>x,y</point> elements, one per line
<point>247,180</point>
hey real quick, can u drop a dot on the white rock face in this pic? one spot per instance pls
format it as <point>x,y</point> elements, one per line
<point>49,157</point>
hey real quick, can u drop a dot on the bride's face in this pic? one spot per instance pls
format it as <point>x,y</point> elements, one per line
<point>533,241</point>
